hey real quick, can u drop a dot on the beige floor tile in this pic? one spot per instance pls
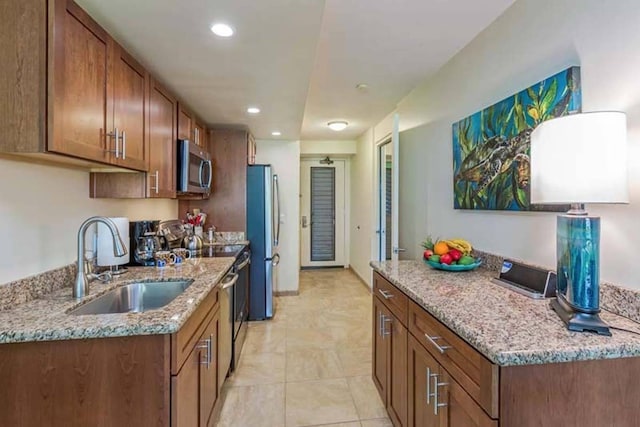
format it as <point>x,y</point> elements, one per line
<point>354,424</point>
<point>355,361</point>
<point>366,398</point>
<point>255,406</point>
<point>310,338</point>
<point>261,368</point>
<point>312,403</point>
<point>380,422</point>
<point>353,336</point>
<point>313,364</point>
<point>265,339</point>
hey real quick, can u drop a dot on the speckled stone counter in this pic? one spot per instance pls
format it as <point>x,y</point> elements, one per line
<point>508,328</point>
<point>46,318</point>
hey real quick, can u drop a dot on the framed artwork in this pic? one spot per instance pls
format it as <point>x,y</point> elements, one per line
<point>491,148</point>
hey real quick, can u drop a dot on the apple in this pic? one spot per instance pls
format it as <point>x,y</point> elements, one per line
<point>427,253</point>
<point>455,254</point>
<point>446,259</point>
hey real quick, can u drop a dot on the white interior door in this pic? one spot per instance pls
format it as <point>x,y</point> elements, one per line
<point>388,172</point>
<point>322,213</point>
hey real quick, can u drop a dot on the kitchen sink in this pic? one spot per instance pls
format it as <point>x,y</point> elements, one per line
<point>134,298</point>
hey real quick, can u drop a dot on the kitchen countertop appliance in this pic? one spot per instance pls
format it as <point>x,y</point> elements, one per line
<point>263,231</point>
<point>144,242</point>
<point>173,231</point>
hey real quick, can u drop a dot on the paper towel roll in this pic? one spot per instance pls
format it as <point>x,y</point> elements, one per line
<point>105,243</point>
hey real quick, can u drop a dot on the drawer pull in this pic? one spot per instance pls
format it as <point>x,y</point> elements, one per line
<point>385,294</point>
<point>386,319</point>
<point>440,348</point>
<point>437,384</point>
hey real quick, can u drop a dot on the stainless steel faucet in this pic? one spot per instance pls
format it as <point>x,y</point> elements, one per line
<point>81,286</point>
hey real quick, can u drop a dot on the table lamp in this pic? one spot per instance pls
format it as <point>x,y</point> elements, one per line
<point>578,159</point>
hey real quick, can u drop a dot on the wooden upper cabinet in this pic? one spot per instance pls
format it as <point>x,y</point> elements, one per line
<point>161,133</point>
<point>130,83</point>
<point>200,134</point>
<point>79,91</point>
<point>186,122</point>
<point>251,149</point>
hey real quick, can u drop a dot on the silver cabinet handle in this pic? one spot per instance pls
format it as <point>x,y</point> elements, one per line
<point>437,384</point>
<point>398,250</point>
<point>116,137</point>
<point>157,187</point>
<point>440,348</point>
<point>380,323</point>
<point>386,319</point>
<point>385,294</point>
<point>428,385</point>
<point>124,145</point>
<point>205,345</point>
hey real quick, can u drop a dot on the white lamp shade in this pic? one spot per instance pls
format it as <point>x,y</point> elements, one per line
<point>580,158</point>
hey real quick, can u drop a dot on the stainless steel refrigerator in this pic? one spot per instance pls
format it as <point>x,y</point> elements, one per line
<point>263,231</point>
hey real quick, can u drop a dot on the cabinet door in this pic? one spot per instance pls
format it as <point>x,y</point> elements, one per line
<point>185,123</point>
<point>130,84</point>
<point>380,350</point>
<point>397,377</point>
<point>458,408</point>
<point>161,132</point>
<point>422,371</point>
<point>209,375</point>
<point>185,391</point>
<point>251,149</point>
<point>78,95</point>
<point>200,134</point>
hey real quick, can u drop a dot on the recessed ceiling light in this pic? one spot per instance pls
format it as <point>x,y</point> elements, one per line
<point>276,133</point>
<point>362,86</point>
<point>222,30</point>
<point>253,110</point>
<point>338,125</point>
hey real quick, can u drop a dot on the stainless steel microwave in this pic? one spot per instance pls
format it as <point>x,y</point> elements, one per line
<point>195,170</point>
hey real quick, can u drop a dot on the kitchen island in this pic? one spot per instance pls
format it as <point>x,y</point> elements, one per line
<point>151,368</point>
<point>468,352</point>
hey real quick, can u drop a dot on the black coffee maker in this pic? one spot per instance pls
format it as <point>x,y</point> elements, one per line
<point>145,242</point>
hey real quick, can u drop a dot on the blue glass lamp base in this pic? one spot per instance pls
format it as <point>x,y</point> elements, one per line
<point>578,321</point>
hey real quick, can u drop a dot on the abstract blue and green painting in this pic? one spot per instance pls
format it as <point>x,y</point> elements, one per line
<point>491,148</point>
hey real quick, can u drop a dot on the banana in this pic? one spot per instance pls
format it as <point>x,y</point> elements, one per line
<point>465,244</point>
<point>459,244</point>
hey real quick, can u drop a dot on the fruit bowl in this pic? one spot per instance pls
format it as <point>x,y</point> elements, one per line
<point>446,267</point>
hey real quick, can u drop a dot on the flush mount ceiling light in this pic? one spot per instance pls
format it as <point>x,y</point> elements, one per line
<point>276,133</point>
<point>338,125</point>
<point>222,30</point>
<point>253,110</point>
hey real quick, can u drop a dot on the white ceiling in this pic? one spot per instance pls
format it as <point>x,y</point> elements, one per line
<point>298,60</point>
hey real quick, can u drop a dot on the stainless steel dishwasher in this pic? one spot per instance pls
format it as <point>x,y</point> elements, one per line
<point>225,343</point>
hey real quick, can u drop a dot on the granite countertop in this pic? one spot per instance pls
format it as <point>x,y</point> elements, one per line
<point>46,318</point>
<point>506,327</point>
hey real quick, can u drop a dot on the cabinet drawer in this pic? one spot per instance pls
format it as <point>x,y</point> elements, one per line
<point>392,297</point>
<point>183,341</point>
<point>476,374</point>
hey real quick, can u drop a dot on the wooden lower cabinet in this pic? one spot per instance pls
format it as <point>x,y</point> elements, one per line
<point>194,389</point>
<point>435,398</point>
<point>120,381</point>
<point>390,362</point>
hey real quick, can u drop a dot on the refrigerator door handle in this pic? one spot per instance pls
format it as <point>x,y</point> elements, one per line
<point>277,217</point>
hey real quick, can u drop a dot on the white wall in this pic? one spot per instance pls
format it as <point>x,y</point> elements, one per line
<point>41,209</point>
<point>362,222</point>
<point>342,148</point>
<point>284,156</point>
<point>530,41</point>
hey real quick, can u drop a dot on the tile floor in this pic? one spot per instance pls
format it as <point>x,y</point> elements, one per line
<point>311,364</point>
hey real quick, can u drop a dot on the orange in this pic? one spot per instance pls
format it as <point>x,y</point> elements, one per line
<point>440,248</point>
